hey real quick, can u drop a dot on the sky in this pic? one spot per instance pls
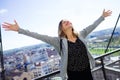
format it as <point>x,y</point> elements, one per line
<point>43,16</point>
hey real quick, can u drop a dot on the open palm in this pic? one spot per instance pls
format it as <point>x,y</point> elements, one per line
<point>10,27</point>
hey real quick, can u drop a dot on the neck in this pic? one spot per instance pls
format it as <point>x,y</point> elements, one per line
<point>70,36</point>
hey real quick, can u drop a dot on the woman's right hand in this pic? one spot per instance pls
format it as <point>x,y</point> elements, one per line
<point>10,27</point>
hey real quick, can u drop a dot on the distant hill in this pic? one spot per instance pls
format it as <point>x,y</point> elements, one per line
<point>15,50</point>
<point>104,34</point>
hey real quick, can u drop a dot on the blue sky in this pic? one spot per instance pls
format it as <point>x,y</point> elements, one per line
<point>43,16</point>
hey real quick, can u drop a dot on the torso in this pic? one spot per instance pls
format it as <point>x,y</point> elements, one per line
<point>77,55</point>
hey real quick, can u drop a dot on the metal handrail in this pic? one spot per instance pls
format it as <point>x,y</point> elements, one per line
<point>108,53</point>
<point>1,58</point>
<point>102,62</point>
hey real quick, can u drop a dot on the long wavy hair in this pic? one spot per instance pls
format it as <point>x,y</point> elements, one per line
<point>61,34</point>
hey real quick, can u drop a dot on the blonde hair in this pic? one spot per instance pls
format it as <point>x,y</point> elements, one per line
<point>61,34</point>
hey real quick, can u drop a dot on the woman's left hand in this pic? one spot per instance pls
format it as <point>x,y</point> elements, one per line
<point>106,13</point>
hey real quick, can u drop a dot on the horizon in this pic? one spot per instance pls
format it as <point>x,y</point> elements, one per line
<point>49,44</point>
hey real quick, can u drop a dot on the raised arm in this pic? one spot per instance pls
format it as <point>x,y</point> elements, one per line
<point>91,27</point>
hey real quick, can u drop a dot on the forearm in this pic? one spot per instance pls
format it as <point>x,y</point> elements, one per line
<point>91,27</point>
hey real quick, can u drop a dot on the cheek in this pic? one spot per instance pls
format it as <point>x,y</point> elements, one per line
<point>63,28</point>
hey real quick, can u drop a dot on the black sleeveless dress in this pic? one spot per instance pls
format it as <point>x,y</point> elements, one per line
<point>78,63</point>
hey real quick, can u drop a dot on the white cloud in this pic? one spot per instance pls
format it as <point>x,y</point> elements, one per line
<point>2,11</point>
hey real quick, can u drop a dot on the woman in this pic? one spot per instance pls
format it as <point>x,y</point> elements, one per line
<point>76,61</point>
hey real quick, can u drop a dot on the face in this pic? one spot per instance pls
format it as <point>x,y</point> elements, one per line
<point>66,25</point>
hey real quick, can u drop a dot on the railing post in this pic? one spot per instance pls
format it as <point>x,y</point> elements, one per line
<point>103,68</point>
<point>1,59</point>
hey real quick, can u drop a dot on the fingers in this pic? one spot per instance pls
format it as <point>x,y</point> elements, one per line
<point>5,23</point>
<point>9,24</point>
<point>109,11</point>
<point>5,26</point>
